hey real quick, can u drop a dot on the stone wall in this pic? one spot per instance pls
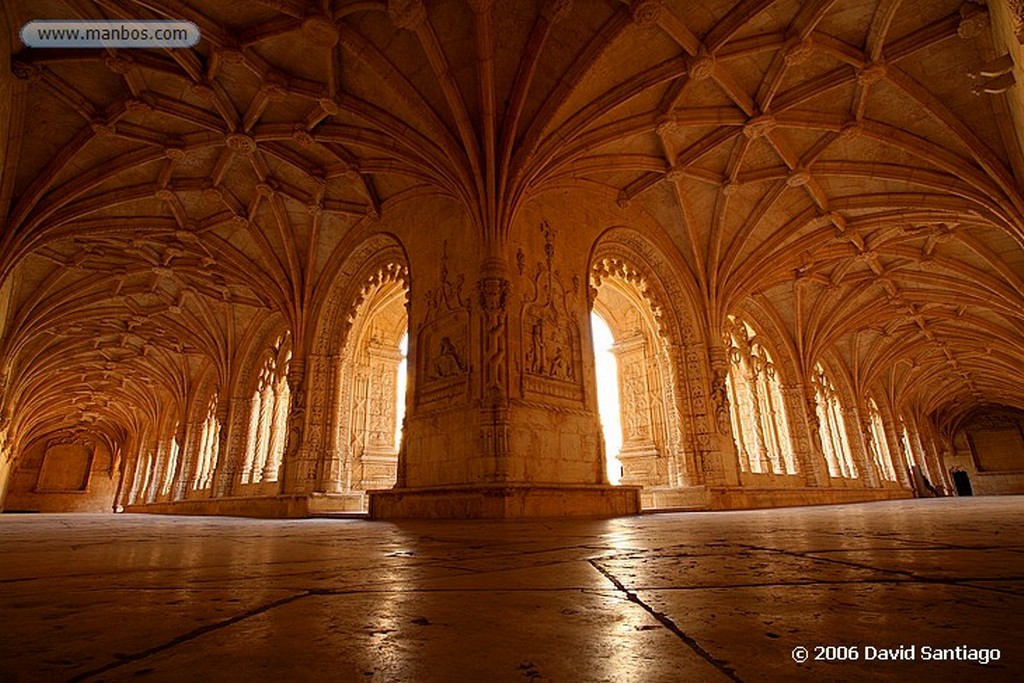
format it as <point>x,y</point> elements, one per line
<point>63,474</point>
<point>989,448</point>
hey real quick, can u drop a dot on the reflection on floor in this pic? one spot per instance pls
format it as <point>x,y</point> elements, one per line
<point>694,597</point>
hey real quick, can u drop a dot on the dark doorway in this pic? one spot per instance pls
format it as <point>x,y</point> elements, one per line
<point>962,482</point>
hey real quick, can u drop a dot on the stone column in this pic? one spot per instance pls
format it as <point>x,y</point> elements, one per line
<point>156,472</point>
<point>934,449</point>
<point>688,462</point>
<point>805,434</point>
<point>861,457</point>
<point>872,452</point>
<point>760,442</point>
<point>233,419</point>
<point>187,436</point>
<point>326,406</point>
<point>677,467</point>
<point>140,474</point>
<point>301,463</point>
<point>896,450</point>
<point>261,448</point>
<point>712,420</point>
<point>270,467</point>
<point>503,421</point>
<point>126,486</point>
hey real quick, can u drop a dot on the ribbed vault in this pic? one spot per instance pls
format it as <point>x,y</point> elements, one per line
<point>824,162</point>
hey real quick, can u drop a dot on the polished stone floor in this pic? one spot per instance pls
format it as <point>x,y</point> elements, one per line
<point>672,597</point>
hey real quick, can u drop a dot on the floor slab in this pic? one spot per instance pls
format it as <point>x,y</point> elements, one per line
<point>686,596</point>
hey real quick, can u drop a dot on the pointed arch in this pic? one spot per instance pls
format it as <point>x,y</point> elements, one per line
<point>665,343</point>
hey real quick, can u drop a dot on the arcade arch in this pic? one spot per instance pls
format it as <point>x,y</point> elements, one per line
<point>757,412</point>
<point>647,416</point>
<point>367,400</point>
<point>268,416</point>
<point>356,368</point>
<point>835,441</point>
<point>668,446</point>
<point>881,454</point>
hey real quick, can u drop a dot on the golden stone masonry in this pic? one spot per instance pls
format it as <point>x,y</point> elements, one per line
<point>345,257</point>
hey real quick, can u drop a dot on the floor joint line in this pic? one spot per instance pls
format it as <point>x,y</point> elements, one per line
<point>668,623</point>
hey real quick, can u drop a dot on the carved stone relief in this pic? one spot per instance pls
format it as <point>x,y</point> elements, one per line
<point>720,399</point>
<point>636,406</point>
<point>443,340</point>
<point>552,353</point>
<point>493,299</point>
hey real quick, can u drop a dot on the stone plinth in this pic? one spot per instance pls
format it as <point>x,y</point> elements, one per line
<point>501,501</point>
<point>292,506</point>
<point>746,497</point>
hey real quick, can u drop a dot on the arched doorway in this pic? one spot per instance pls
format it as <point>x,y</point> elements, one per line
<point>648,420</point>
<point>355,370</point>
<point>371,374</point>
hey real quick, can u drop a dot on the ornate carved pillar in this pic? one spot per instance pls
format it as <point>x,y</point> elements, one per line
<point>261,448</point>
<point>129,481</point>
<point>301,461</point>
<point>198,440</point>
<point>379,453</point>
<point>720,459</point>
<point>681,452</point>
<point>187,437</point>
<point>319,440</point>
<point>678,468</point>
<point>862,460</point>
<point>934,447</point>
<point>493,289</point>
<point>503,418</point>
<point>805,433</point>
<point>157,472</point>
<point>233,418</point>
<point>270,467</point>
<point>896,451</point>
<point>140,476</point>
<point>872,452</point>
<point>760,443</point>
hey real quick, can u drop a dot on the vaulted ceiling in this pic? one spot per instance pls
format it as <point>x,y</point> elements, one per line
<point>822,163</point>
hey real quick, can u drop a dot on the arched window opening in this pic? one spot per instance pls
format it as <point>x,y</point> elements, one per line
<point>834,441</point>
<point>757,411</point>
<point>208,441</point>
<point>268,417</point>
<point>140,477</point>
<point>608,395</point>
<point>880,452</point>
<point>170,448</point>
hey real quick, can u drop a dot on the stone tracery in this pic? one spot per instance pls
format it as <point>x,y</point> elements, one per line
<point>832,426</point>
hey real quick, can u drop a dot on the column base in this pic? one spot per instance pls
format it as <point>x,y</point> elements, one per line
<point>505,501</point>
